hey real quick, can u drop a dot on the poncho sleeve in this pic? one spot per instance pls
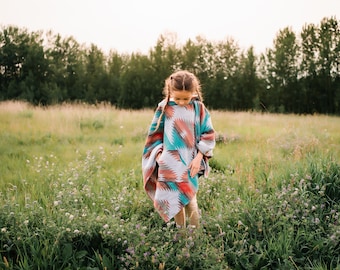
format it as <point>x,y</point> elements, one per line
<point>205,132</point>
<point>205,136</point>
<point>153,145</point>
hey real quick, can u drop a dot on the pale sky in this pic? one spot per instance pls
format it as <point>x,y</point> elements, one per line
<point>135,25</point>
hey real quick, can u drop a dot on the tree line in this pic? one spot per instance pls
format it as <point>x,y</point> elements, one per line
<point>299,74</point>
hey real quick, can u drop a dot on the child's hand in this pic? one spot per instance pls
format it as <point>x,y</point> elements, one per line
<point>195,164</point>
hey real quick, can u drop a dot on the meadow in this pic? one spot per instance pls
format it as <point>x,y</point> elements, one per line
<point>71,193</point>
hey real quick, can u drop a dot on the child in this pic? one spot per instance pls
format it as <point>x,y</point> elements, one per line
<point>179,143</point>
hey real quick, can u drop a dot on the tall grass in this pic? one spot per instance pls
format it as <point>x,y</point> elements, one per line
<point>71,193</point>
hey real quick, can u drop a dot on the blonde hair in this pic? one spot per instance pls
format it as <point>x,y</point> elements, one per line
<point>181,80</point>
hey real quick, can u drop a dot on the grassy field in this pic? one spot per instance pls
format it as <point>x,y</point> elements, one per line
<point>71,193</point>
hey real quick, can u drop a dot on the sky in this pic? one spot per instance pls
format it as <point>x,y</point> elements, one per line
<point>128,26</point>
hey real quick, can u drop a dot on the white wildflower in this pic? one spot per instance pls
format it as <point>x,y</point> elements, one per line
<point>56,203</point>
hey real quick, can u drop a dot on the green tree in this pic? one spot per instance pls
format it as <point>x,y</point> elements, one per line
<point>308,71</point>
<point>206,70</point>
<point>96,82</point>
<point>24,66</point>
<point>164,58</point>
<point>320,66</point>
<point>300,76</point>
<point>328,64</point>
<point>13,51</point>
<point>282,71</point>
<point>116,65</point>
<point>247,81</point>
<point>66,66</point>
<point>35,70</point>
<point>136,85</point>
<point>225,68</point>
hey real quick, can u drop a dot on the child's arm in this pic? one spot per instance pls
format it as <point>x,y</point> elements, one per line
<point>195,164</point>
<point>206,142</point>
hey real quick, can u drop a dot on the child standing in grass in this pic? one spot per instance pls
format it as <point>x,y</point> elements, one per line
<point>180,141</point>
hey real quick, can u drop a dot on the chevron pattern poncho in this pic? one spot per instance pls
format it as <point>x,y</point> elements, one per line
<point>182,132</point>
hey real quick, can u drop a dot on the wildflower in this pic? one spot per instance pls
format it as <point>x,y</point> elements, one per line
<point>26,222</point>
<point>76,231</point>
<point>223,233</point>
<point>106,226</point>
<point>4,229</point>
<point>130,250</point>
<point>56,203</point>
<point>335,237</point>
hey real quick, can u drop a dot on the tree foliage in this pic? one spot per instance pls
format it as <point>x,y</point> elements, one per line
<point>299,74</point>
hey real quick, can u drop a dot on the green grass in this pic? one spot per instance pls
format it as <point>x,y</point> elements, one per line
<point>71,193</point>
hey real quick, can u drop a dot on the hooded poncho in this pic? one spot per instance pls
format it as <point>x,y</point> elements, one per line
<point>182,132</point>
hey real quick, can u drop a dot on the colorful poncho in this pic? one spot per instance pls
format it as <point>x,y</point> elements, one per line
<point>182,132</point>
